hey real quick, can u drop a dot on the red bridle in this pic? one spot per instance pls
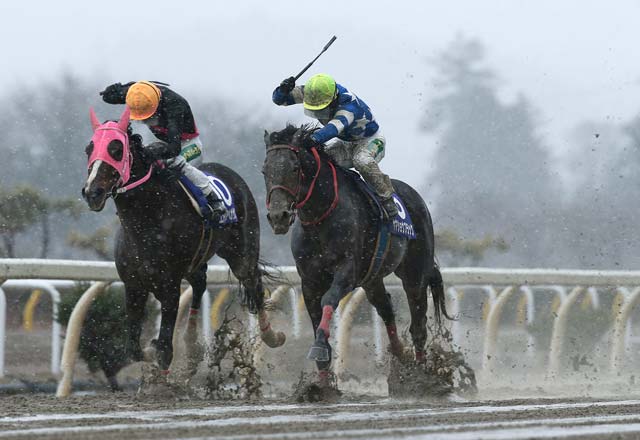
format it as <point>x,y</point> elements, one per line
<point>297,203</point>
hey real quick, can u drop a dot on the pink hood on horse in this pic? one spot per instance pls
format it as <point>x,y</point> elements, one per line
<point>103,135</point>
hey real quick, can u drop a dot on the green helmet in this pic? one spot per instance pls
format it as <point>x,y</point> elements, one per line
<point>319,91</point>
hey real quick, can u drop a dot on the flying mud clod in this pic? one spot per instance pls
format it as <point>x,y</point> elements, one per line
<point>232,372</point>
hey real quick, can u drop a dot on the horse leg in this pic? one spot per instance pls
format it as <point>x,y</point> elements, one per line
<point>417,299</point>
<point>381,300</point>
<point>312,294</point>
<point>198,281</point>
<point>164,344</point>
<point>135,302</point>
<point>250,277</point>
<point>343,283</point>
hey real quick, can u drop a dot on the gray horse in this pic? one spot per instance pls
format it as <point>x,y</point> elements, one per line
<point>334,241</point>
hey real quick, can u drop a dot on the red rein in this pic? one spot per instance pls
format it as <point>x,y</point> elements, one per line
<point>296,193</point>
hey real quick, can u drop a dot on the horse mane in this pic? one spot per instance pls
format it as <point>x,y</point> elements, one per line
<point>285,136</point>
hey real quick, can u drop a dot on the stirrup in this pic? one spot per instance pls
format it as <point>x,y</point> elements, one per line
<point>216,209</point>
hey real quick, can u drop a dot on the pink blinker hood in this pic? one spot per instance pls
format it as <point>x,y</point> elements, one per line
<point>103,134</point>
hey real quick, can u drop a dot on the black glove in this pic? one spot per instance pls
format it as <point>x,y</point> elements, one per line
<point>287,85</point>
<point>156,151</point>
<point>308,142</point>
<point>113,94</point>
<point>166,174</point>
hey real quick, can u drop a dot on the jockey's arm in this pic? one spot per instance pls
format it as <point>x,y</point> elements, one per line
<point>174,111</point>
<point>171,145</point>
<point>295,97</point>
<point>116,93</point>
<point>341,120</point>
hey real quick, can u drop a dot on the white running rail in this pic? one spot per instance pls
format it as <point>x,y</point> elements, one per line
<point>498,285</point>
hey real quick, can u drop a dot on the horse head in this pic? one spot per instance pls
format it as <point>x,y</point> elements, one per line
<point>283,175</point>
<point>109,160</point>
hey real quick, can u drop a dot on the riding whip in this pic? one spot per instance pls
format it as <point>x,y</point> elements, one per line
<point>324,49</point>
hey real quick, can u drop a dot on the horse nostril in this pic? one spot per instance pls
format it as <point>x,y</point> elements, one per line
<point>84,196</point>
<point>278,216</point>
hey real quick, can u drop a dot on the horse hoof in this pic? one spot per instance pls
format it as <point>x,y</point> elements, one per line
<point>273,339</point>
<point>318,353</point>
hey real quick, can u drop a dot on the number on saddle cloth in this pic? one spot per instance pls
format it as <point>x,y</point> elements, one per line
<point>221,189</point>
<point>401,225</point>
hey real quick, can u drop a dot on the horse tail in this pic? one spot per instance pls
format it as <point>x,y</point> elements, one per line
<point>269,273</point>
<point>272,273</point>
<point>439,297</point>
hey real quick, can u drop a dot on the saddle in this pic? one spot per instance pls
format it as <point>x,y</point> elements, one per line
<point>199,201</point>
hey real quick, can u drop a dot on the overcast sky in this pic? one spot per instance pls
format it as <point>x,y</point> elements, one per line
<point>574,59</point>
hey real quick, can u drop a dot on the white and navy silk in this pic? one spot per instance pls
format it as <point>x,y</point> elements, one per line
<point>352,120</point>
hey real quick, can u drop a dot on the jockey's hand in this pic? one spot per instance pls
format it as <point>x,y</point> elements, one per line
<point>155,151</point>
<point>309,142</point>
<point>167,174</point>
<point>287,85</point>
<point>113,93</point>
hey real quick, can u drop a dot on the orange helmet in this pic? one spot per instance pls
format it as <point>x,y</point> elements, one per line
<point>143,99</point>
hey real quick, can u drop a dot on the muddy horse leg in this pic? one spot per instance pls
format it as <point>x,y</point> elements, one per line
<point>343,283</point>
<point>198,281</point>
<point>169,309</point>
<point>246,270</point>
<point>381,300</point>
<point>417,299</point>
<point>312,294</point>
<point>135,303</point>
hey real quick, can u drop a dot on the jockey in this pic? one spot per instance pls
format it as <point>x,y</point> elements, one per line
<point>356,139</point>
<point>170,119</point>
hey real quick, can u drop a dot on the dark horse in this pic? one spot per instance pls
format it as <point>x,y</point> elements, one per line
<point>333,243</point>
<point>162,240</point>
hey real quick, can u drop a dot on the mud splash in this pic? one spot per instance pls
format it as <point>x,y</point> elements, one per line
<point>444,372</point>
<point>155,385</point>
<point>232,372</point>
<point>310,389</point>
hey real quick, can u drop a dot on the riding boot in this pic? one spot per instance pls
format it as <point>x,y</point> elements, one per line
<point>217,208</point>
<point>381,184</point>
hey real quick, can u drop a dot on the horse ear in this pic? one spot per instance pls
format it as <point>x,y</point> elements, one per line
<point>267,138</point>
<point>123,124</point>
<point>95,122</point>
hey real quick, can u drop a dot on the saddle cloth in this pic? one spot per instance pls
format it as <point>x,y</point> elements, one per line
<point>401,225</point>
<point>199,201</point>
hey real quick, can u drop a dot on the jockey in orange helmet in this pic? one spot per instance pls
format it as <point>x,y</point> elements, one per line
<point>170,119</point>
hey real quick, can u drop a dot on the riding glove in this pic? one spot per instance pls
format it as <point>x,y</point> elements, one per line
<point>287,85</point>
<point>157,151</point>
<point>309,141</point>
<point>115,93</point>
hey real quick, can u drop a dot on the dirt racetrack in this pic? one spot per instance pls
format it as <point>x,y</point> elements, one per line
<point>124,416</point>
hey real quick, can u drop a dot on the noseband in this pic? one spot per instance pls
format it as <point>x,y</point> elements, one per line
<point>297,203</point>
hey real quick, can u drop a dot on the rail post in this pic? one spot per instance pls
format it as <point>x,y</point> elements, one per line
<point>344,329</point>
<point>72,341</point>
<point>619,330</point>
<point>559,331</point>
<point>3,324</point>
<point>491,332</point>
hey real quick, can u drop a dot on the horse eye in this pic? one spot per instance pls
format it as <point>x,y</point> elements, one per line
<point>89,148</point>
<point>115,150</point>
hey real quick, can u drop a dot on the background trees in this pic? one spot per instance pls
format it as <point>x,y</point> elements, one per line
<point>503,195</point>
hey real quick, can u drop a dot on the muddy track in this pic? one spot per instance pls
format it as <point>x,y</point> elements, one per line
<point>114,417</point>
